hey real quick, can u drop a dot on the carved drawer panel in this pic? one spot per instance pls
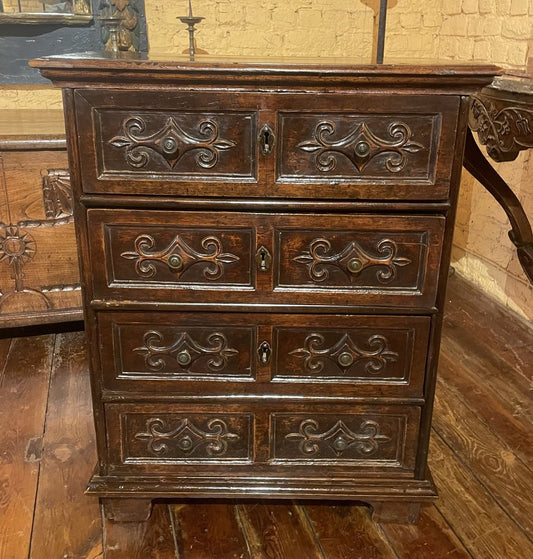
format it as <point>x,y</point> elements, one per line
<point>133,141</point>
<point>370,352</point>
<point>369,436</point>
<point>174,347</point>
<point>366,255</point>
<point>170,250</point>
<point>264,258</point>
<point>182,137</point>
<point>261,437</point>
<point>197,353</point>
<point>175,433</point>
<point>362,150</point>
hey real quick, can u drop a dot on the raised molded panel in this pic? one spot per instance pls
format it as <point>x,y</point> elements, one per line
<point>358,147</point>
<point>179,144</point>
<point>175,250</point>
<point>380,255</point>
<point>378,350</point>
<point>159,351</point>
<point>185,437</point>
<point>381,437</point>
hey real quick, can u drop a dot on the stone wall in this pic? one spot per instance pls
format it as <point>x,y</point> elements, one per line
<point>495,31</point>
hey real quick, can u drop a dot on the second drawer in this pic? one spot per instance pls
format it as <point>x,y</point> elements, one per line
<point>225,353</point>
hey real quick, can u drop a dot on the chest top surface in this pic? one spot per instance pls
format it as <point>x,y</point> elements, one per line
<point>84,68</point>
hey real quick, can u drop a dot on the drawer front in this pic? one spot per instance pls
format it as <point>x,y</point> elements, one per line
<point>372,436</point>
<point>306,259</point>
<point>361,150</point>
<point>203,353</point>
<point>176,142</point>
<point>137,140</point>
<point>260,437</point>
<point>169,251</point>
<point>165,434</point>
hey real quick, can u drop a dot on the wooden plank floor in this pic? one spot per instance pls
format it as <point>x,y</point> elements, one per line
<point>481,458</point>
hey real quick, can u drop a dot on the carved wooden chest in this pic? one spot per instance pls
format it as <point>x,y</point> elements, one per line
<point>39,277</point>
<point>264,250</point>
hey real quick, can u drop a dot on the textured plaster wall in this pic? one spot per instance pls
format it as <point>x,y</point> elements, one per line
<point>496,31</point>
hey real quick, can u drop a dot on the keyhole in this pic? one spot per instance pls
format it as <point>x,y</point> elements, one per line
<point>264,353</point>
<point>263,265</point>
<point>267,139</point>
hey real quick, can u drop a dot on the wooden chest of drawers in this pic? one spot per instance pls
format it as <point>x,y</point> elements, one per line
<point>264,251</point>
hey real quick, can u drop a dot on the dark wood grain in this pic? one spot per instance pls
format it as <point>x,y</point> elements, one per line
<point>68,455</point>
<point>277,530</point>
<point>388,137</point>
<point>209,529</point>
<point>153,539</point>
<point>433,538</point>
<point>472,519</point>
<point>348,532</point>
<point>23,397</point>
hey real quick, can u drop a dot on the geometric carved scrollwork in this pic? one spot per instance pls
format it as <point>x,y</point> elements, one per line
<point>179,257</point>
<point>186,437</point>
<point>361,146</point>
<point>345,353</point>
<point>352,260</point>
<point>339,438</point>
<point>171,143</point>
<point>185,351</point>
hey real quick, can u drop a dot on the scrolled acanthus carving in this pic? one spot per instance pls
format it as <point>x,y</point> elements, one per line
<point>352,260</point>
<point>179,257</point>
<point>504,129</point>
<point>171,143</point>
<point>361,146</point>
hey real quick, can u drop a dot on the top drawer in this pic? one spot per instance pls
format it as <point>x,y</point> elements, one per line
<point>297,145</point>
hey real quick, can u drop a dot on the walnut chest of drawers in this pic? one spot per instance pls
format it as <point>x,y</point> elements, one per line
<point>264,254</point>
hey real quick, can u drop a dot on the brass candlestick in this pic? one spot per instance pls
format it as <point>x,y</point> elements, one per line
<point>191,21</point>
<point>112,24</point>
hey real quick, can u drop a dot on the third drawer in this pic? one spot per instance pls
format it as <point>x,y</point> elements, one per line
<point>162,353</point>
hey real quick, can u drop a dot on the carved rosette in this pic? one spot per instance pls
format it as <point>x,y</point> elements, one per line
<point>339,438</point>
<point>361,146</point>
<point>17,247</point>
<point>186,438</point>
<point>185,351</point>
<point>179,257</point>
<point>352,260</point>
<point>345,353</point>
<point>171,143</point>
<point>503,128</point>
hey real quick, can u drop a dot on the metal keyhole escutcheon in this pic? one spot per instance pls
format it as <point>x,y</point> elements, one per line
<point>264,351</point>
<point>267,139</point>
<point>263,259</point>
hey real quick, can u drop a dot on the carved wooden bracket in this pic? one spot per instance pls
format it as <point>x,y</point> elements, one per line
<point>502,116</point>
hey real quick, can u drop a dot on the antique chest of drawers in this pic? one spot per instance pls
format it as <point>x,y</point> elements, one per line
<point>264,253</point>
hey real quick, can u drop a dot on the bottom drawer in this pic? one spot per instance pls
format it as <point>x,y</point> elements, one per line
<point>260,437</point>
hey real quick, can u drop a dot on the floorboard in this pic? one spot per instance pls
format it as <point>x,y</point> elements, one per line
<point>473,514</point>
<point>23,399</point>
<point>480,455</point>
<point>208,530</point>
<point>67,523</point>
